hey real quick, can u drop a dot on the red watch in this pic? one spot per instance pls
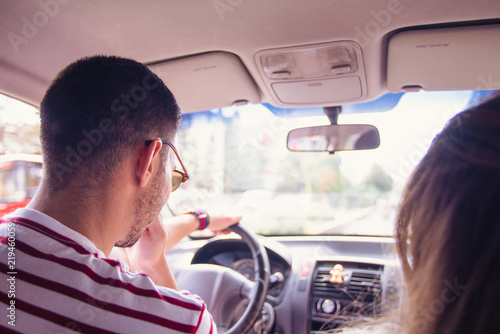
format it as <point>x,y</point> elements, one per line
<point>202,216</point>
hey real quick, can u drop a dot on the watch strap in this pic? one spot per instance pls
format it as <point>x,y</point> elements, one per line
<point>202,216</point>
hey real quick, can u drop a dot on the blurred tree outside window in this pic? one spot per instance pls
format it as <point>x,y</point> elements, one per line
<point>19,127</point>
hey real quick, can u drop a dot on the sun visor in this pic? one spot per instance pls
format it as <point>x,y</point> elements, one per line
<point>460,58</point>
<point>207,81</point>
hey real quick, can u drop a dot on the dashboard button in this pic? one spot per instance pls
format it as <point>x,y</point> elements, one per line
<point>328,306</point>
<point>302,284</point>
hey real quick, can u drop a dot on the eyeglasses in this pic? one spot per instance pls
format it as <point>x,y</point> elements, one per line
<point>178,177</point>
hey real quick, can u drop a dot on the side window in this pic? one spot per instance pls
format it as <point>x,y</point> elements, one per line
<point>33,177</point>
<point>20,154</point>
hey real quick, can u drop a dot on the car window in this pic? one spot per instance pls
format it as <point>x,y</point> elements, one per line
<point>20,159</point>
<point>238,162</point>
<point>19,127</point>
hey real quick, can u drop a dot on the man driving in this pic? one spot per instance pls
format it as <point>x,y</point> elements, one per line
<point>107,128</point>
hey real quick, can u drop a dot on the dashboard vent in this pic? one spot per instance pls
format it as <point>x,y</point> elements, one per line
<point>358,297</point>
<point>365,286</point>
<point>322,283</point>
<point>361,283</point>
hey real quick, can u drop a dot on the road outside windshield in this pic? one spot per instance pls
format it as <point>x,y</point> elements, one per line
<point>238,162</point>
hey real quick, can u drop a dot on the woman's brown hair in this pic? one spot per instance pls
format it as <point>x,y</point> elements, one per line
<point>448,228</point>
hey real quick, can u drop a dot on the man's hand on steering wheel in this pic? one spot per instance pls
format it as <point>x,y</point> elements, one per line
<point>219,223</point>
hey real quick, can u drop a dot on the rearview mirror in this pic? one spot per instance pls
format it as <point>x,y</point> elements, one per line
<point>332,138</point>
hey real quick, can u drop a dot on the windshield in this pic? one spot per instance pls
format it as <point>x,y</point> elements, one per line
<point>238,162</point>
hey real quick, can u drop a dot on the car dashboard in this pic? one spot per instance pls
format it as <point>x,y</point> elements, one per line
<point>303,296</point>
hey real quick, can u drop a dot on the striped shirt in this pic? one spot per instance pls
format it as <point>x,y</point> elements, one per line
<point>54,280</point>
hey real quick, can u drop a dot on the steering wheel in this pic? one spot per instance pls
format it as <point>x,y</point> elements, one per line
<point>223,289</point>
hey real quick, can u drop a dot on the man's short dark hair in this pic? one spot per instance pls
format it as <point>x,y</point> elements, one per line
<point>96,111</point>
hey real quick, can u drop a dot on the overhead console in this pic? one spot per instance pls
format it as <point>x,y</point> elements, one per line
<point>314,75</point>
<point>460,58</point>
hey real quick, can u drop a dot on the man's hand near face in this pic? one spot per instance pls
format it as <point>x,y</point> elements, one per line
<point>147,255</point>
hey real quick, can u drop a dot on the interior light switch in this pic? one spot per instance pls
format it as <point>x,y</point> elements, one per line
<point>341,69</point>
<point>281,74</point>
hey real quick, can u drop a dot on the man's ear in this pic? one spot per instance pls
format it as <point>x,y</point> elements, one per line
<point>144,168</point>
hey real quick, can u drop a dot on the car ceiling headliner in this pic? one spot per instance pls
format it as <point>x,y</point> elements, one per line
<point>155,30</point>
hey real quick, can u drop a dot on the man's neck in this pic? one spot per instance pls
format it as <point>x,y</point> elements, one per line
<point>95,216</point>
